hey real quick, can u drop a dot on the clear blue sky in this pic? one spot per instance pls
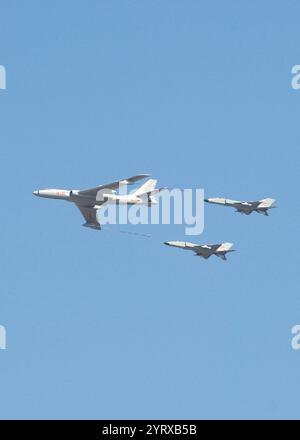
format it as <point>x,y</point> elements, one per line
<point>108,325</point>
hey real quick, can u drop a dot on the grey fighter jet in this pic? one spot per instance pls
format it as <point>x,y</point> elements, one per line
<point>88,201</point>
<point>204,250</point>
<point>261,206</point>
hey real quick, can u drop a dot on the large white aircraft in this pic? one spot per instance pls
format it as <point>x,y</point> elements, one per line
<point>204,250</point>
<point>260,206</point>
<point>88,201</point>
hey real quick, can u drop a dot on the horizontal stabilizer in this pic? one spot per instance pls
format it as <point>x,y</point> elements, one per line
<point>223,256</point>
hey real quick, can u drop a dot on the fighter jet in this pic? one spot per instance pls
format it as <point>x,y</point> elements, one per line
<point>88,201</point>
<point>204,250</point>
<point>261,206</point>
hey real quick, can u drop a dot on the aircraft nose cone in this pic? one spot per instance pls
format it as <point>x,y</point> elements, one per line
<point>167,243</point>
<point>36,193</point>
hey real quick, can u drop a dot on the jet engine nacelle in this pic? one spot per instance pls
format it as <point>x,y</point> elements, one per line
<point>111,197</point>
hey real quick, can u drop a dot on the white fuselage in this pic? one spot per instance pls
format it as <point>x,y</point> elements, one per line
<point>74,196</point>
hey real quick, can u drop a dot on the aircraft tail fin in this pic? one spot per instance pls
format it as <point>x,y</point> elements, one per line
<point>225,247</point>
<point>266,203</point>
